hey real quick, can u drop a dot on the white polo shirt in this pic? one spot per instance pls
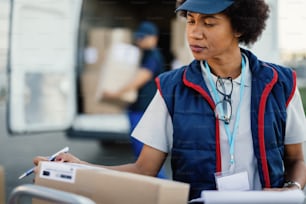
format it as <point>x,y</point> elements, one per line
<point>155,127</point>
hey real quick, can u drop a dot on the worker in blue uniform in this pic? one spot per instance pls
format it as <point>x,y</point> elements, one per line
<point>151,65</point>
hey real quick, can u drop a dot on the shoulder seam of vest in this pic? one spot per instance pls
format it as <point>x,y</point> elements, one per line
<point>293,89</point>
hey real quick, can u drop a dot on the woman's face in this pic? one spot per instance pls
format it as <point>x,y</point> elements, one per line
<point>210,36</point>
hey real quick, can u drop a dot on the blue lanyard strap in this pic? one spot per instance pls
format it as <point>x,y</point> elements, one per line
<point>231,136</point>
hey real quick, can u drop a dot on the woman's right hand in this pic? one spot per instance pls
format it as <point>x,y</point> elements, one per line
<point>63,157</point>
<point>67,157</point>
<point>37,159</point>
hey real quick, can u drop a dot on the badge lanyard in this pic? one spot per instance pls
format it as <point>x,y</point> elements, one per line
<point>231,136</point>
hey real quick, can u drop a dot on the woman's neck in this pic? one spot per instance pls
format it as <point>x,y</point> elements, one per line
<point>228,66</point>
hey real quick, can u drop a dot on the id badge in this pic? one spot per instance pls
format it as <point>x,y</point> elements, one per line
<point>232,181</point>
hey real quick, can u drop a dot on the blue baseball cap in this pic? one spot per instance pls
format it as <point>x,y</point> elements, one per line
<point>144,29</point>
<point>205,6</point>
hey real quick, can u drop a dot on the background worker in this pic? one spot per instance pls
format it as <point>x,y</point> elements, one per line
<point>152,64</point>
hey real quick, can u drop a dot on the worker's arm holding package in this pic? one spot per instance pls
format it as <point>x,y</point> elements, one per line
<point>142,77</point>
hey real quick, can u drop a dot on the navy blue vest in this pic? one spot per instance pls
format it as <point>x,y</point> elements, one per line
<point>196,141</point>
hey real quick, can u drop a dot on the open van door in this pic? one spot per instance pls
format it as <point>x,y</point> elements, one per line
<point>43,74</point>
<point>42,62</point>
<point>47,63</point>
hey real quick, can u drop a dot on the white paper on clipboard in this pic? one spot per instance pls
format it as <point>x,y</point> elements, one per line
<point>253,197</point>
<point>65,172</point>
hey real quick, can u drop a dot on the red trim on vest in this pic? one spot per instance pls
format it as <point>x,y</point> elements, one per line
<point>212,105</point>
<point>199,89</point>
<point>218,148</point>
<point>261,134</point>
<point>157,81</point>
<point>293,89</point>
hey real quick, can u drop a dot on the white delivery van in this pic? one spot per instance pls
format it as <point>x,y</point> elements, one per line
<point>56,52</point>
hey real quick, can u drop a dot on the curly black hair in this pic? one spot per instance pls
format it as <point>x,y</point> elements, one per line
<point>248,17</point>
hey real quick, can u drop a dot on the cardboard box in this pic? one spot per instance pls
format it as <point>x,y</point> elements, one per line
<point>119,69</point>
<point>99,40</point>
<point>111,61</point>
<point>2,186</point>
<point>92,105</point>
<point>110,187</point>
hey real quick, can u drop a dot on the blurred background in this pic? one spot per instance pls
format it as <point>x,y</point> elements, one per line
<point>97,132</point>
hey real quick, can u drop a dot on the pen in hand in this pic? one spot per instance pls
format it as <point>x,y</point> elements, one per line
<point>51,158</point>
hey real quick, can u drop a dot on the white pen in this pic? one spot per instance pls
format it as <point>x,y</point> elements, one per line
<point>51,158</point>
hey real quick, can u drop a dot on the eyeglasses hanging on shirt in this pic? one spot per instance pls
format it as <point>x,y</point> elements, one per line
<point>225,87</point>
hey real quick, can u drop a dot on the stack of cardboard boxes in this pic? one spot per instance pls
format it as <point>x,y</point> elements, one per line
<point>111,62</point>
